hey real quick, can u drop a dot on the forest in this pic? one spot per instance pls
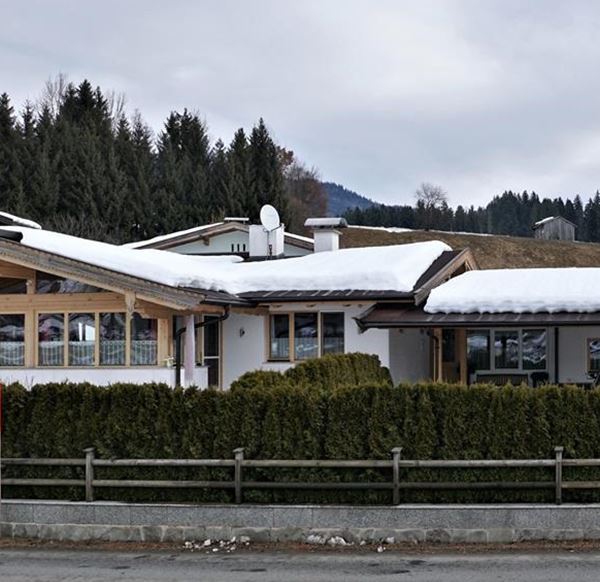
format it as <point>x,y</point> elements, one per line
<point>77,163</point>
<point>509,213</point>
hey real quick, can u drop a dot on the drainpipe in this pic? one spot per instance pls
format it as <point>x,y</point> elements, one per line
<point>181,331</point>
<point>556,355</point>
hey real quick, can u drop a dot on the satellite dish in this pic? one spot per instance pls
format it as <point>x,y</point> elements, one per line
<point>269,217</point>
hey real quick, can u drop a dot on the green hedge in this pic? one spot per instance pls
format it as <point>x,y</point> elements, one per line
<point>430,421</point>
<point>325,373</point>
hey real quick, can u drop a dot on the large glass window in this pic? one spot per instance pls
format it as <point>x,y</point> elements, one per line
<point>112,339</point>
<point>280,337</point>
<point>12,340</point>
<point>533,349</point>
<point>594,355</point>
<point>82,339</point>
<point>478,350</point>
<point>306,336</point>
<point>51,339</point>
<point>144,341</point>
<point>332,333</point>
<point>506,349</point>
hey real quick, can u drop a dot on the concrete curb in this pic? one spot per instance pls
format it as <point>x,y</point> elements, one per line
<point>108,521</point>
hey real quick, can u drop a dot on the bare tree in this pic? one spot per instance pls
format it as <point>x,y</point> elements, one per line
<point>431,196</point>
<point>116,103</point>
<point>53,94</point>
<point>430,199</point>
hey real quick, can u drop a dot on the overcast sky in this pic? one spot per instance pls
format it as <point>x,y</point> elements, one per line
<point>477,96</point>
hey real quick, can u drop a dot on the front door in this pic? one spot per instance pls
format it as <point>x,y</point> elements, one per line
<point>450,356</point>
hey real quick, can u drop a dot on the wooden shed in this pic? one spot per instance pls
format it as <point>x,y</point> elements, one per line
<point>554,228</point>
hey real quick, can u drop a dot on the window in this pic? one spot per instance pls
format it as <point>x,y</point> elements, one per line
<point>112,339</point>
<point>594,354</point>
<point>280,337</point>
<point>299,336</point>
<point>51,339</point>
<point>12,340</point>
<point>478,350</point>
<point>524,350</point>
<point>332,333</point>
<point>94,339</point>
<point>533,349</point>
<point>210,348</point>
<point>9,286</point>
<point>47,283</point>
<point>506,349</point>
<point>306,336</point>
<point>144,341</point>
<point>82,339</point>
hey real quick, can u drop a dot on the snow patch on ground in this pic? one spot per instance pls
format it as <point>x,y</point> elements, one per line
<point>519,291</point>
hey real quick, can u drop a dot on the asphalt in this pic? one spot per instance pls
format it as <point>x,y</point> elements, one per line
<point>43,565</point>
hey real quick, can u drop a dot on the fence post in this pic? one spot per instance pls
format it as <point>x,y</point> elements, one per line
<point>396,452</point>
<point>89,474</point>
<point>558,452</point>
<point>239,458</point>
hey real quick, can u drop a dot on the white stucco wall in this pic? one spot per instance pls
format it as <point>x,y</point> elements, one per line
<point>572,352</point>
<point>244,352</point>
<point>409,355</point>
<point>372,341</point>
<point>222,244</point>
<point>99,376</point>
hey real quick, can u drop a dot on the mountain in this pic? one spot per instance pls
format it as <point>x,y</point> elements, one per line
<point>340,199</point>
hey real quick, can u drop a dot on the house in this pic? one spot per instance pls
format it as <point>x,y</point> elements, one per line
<point>83,310</point>
<point>230,236</point>
<point>507,325</point>
<point>554,228</point>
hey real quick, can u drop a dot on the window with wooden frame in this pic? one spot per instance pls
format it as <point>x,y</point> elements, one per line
<point>84,339</point>
<point>593,355</point>
<point>306,334</point>
<point>12,340</point>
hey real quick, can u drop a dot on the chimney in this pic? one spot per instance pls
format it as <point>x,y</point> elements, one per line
<point>326,232</point>
<point>265,244</point>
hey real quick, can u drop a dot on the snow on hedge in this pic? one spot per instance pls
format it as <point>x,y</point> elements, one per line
<point>519,291</point>
<point>393,268</point>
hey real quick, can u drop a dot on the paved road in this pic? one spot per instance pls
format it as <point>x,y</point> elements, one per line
<point>62,565</point>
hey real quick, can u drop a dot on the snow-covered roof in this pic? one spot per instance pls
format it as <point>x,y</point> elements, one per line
<point>6,218</point>
<point>204,228</point>
<point>549,219</point>
<point>394,268</point>
<point>171,235</point>
<point>519,291</point>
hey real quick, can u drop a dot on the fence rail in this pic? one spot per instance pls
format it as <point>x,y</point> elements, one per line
<point>395,465</point>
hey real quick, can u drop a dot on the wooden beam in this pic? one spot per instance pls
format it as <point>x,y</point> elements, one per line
<point>153,311</point>
<point>15,271</point>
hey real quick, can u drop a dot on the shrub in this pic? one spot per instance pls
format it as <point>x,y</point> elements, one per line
<point>324,373</point>
<point>286,420</point>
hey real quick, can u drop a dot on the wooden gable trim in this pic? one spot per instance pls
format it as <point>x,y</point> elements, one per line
<point>34,259</point>
<point>464,259</point>
<point>206,234</point>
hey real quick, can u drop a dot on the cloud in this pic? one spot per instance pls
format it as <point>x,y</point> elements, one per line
<point>477,96</point>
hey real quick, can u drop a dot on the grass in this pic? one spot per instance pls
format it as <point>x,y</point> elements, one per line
<point>491,252</point>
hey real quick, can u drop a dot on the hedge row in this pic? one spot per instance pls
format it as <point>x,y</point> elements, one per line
<point>433,421</point>
<point>325,373</point>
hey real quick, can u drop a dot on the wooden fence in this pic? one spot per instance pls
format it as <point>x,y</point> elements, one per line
<point>395,485</point>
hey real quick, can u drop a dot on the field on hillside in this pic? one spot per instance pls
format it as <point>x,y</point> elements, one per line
<point>491,252</point>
